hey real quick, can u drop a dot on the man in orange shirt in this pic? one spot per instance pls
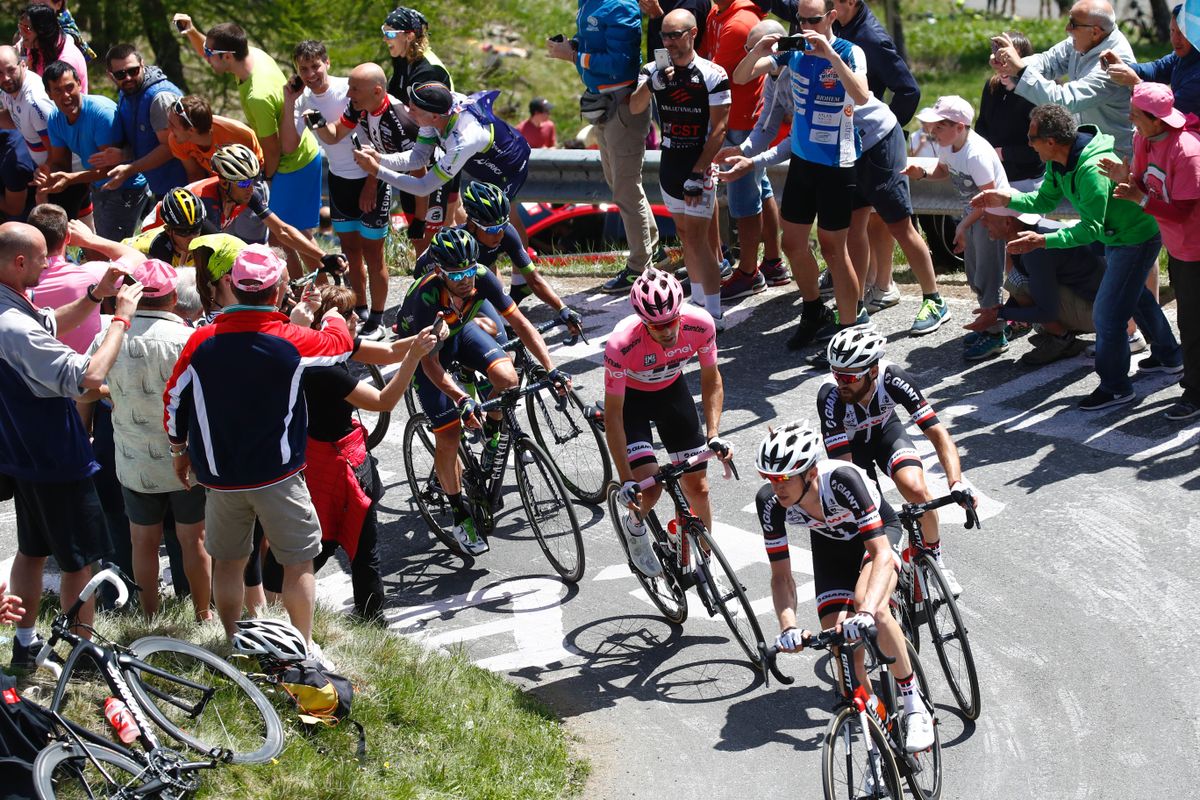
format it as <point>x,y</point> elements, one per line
<point>196,133</point>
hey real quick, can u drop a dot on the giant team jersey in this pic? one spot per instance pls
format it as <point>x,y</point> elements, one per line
<point>633,358</point>
<point>850,501</point>
<point>844,424</point>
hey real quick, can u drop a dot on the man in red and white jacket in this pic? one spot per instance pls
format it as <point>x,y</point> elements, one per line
<point>236,417</point>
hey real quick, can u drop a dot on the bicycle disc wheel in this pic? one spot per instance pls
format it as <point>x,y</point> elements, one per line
<point>949,636</point>
<point>576,447</point>
<point>375,423</point>
<point>207,703</point>
<point>729,596</point>
<point>548,510</point>
<point>63,771</point>
<point>426,491</point>
<point>856,763</point>
<point>664,591</point>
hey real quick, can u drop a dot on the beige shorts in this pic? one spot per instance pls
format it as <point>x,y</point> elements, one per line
<point>288,519</point>
<point>1074,313</point>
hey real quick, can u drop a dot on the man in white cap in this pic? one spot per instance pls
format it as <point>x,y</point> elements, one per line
<point>246,440</point>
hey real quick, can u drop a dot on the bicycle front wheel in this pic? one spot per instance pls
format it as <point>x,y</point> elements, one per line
<point>729,596</point>
<point>425,490</point>
<point>375,423</point>
<point>664,591</point>
<point>949,636</point>
<point>64,771</point>
<point>549,510</point>
<point>857,763</point>
<point>203,701</point>
<point>577,447</point>
<point>922,771</point>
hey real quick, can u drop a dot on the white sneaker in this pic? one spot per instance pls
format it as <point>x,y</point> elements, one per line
<point>1137,342</point>
<point>878,299</point>
<point>316,654</point>
<point>462,535</point>
<point>719,322</point>
<point>919,734</point>
<point>951,581</point>
<point>641,547</point>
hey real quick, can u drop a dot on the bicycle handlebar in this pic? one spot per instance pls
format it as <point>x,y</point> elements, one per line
<point>823,640</point>
<point>111,574</point>
<point>914,511</point>
<point>673,471</point>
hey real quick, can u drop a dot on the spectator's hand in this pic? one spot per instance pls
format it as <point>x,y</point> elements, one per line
<point>985,318</point>
<point>1118,71</point>
<point>368,196</point>
<point>182,464</point>
<point>107,157</point>
<point>182,23</point>
<point>736,167</point>
<point>424,343</point>
<point>1006,60</point>
<point>79,234</point>
<point>42,174</point>
<point>726,152</point>
<point>1128,191</point>
<point>304,312</point>
<point>1026,242</point>
<point>118,175</point>
<point>290,96</point>
<point>111,283</point>
<point>915,172</point>
<point>960,238</point>
<point>766,44</point>
<point>368,160</point>
<point>127,300</point>
<point>11,607</point>
<point>560,50</point>
<point>56,182</point>
<point>1114,169</point>
<point>650,8</point>
<point>331,314</point>
<point>818,45</point>
<point>992,198</point>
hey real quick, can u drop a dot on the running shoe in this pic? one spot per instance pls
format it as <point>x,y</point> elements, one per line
<point>930,317</point>
<point>739,285</point>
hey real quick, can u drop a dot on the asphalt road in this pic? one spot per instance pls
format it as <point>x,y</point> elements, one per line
<point>1076,590</point>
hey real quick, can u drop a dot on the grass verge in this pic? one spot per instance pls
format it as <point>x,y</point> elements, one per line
<point>436,726</point>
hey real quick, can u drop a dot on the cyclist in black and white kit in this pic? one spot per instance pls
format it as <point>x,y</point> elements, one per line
<point>692,97</point>
<point>854,536</point>
<point>857,406</point>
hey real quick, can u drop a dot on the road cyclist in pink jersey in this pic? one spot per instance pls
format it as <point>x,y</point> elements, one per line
<point>643,384</point>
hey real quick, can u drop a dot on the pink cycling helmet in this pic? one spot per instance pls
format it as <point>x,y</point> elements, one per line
<point>657,296</point>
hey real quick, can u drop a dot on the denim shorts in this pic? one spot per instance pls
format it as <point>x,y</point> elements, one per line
<point>745,195</point>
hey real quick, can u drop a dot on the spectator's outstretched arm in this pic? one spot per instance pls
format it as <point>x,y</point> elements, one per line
<point>1093,89</point>
<point>1159,71</point>
<point>194,36</point>
<point>906,94</point>
<point>80,235</point>
<point>784,9</point>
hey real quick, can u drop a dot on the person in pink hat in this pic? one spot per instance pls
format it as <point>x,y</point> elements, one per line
<point>149,486</point>
<point>246,441</point>
<point>1165,180</point>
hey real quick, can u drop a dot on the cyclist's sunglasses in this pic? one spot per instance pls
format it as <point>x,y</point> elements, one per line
<point>460,274</point>
<point>192,231</point>
<point>847,378</point>
<point>491,229</point>
<point>246,184</point>
<point>209,52</point>
<point>662,326</point>
<point>182,112</point>
<point>776,480</point>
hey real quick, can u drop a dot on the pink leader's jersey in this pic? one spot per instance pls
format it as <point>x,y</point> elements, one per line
<point>632,357</point>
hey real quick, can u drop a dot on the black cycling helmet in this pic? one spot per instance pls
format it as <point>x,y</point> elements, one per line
<point>454,249</point>
<point>485,204</point>
<point>182,210</point>
<point>431,96</point>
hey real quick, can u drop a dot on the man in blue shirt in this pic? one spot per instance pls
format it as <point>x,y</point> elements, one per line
<point>85,125</point>
<point>605,50</point>
<point>828,80</point>
<point>1180,69</point>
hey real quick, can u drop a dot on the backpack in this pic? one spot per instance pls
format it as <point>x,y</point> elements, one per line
<point>25,728</point>
<point>321,697</point>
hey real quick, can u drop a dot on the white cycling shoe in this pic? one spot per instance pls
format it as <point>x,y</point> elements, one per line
<point>641,547</point>
<point>476,546</point>
<point>951,581</point>
<point>919,734</point>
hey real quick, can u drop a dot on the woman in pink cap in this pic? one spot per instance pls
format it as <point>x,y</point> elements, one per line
<point>1165,180</point>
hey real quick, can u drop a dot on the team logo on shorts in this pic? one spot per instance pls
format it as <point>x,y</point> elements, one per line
<point>435,214</point>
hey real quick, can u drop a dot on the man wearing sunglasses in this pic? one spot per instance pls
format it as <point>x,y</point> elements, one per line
<point>1079,63</point>
<point>857,407</point>
<point>472,302</point>
<point>184,217</point>
<point>854,538</point>
<point>196,133</point>
<point>643,384</point>
<point>145,100</point>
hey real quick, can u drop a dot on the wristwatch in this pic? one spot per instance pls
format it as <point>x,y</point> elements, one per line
<point>177,450</point>
<point>91,296</point>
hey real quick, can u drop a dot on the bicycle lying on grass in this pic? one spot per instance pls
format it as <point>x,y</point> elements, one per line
<point>196,697</point>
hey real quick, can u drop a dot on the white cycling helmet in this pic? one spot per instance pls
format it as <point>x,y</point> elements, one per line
<point>269,638</point>
<point>790,450</point>
<point>855,349</point>
<point>235,162</point>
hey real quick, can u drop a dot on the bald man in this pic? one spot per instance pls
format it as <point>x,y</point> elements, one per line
<point>1078,62</point>
<point>43,445</point>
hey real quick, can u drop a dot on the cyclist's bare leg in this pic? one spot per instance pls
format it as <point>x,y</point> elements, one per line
<point>911,483</point>
<point>503,376</point>
<point>832,619</point>
<point>445,458</point>
<point>229,590</point>
<point>695,487</point>
<point>890,637</point>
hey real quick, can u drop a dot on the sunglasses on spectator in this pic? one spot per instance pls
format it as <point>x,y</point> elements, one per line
<point>846,378</point>
<point>810,20</point>
<point>776,480</point>
<point>122,74</point>
<point>662,326</point>
<point>1072,24</point>
<point>209,52</point>
<point>460,274</point>
<point>179,109</point>
<point>388,33</point>
<point>492,229</point>
<point>670,36</point>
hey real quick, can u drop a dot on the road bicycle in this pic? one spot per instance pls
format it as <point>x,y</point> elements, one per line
<point>922,596</point>
<point>862,752</point>
<point>690,558</point>
<point>544,499</point>
<point>197,698</point>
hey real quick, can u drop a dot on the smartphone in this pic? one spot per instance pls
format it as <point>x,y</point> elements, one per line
<point>439,330</point>
<point>797,42</point>
<point>558,37</point>
<point>296,83</point>
<point>354,140</point>
<point>662,58</point>
<point>130,280</point>
<point>995,47</point>
<point>313,118</point>
<point>181,25</point>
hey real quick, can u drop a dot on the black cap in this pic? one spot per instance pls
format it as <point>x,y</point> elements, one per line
<point>540,104</point>
<point>406,19</point>
<point>434,97</point>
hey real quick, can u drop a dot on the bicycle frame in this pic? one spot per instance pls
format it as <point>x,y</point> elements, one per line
<point>912,580</point>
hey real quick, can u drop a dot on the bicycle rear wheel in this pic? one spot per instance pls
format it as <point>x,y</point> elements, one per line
<point>426,490</point>
<point>203,701</point>
<point>576,447</point>
<point>949,636</point>
<point>549,510</point>
<point>63,771</point>
<point>856,763</point>
<point>730,598</point>
<point>664,591</point>
<point>375,423</point>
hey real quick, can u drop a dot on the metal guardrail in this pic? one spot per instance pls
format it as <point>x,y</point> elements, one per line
<point>575,176</point>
